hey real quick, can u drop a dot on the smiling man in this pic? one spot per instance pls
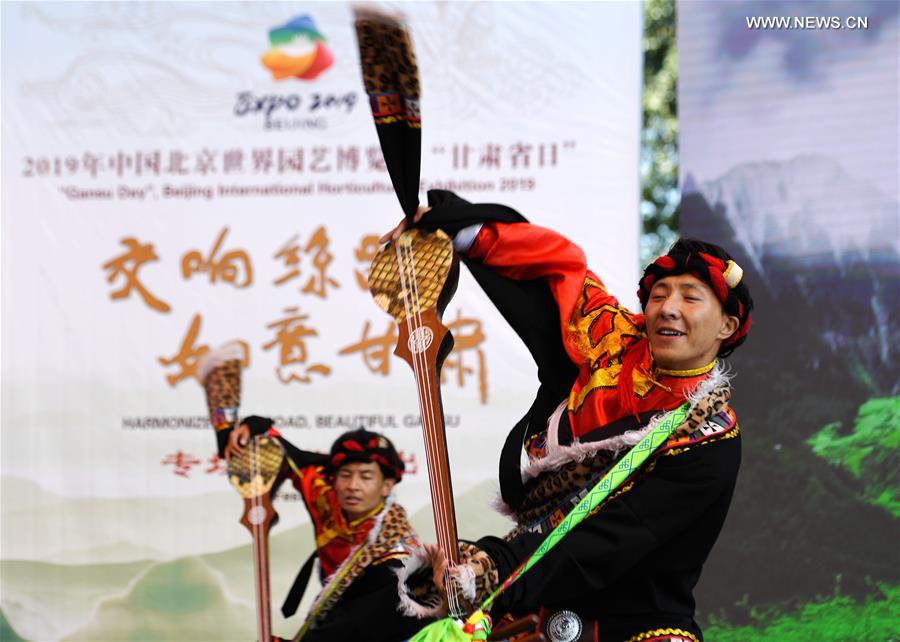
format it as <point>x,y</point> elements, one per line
<point>361,534</point>
<point>686,323</point>
<point>627,572</point>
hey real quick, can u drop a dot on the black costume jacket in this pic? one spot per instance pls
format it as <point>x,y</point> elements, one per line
<point>360,557</point>
<point>629,569</point>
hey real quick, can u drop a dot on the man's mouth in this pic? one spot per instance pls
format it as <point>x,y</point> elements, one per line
<point>669,332</point>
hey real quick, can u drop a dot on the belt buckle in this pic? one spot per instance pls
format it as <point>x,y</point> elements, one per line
<point>564,626</point>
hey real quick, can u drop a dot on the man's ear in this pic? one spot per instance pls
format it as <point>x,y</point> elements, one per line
<point>729,327</point>
<point>387,486</point>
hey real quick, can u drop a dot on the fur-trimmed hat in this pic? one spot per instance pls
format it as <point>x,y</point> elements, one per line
<point>364,446</point>
<point>715,267</point>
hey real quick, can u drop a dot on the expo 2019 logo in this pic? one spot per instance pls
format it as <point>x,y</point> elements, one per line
<point>298,50</point>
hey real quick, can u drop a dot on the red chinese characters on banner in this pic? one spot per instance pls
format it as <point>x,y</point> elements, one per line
<point>206,162</point>
<point>181,461</point>
<point>138,163</point>
<point>492,155</point>
<point>217,465</point>
<point>233,161</point>
<point>317,159</point>
<point>409,459</point>
<point>311,160</point>
<point>178,163</point>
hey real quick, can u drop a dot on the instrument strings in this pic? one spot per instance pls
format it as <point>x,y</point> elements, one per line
<point>437,473</point>
<point>447,543</point>
<point>257,525</point>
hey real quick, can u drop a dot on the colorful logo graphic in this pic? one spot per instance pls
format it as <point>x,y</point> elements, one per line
<point>298,50</point>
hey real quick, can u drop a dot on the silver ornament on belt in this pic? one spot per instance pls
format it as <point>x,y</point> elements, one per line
<point>564,626</point>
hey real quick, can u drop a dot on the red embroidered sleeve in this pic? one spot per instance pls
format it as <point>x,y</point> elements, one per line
<point>523,251</point>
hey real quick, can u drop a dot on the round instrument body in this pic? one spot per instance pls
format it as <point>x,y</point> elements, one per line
<point>412,274</point>
<point>254,473</point>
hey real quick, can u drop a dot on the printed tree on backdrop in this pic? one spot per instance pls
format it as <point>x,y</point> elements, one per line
<point>659,133</point>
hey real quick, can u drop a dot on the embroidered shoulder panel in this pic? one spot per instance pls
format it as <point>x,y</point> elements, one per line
<point>722,425</point>
<point>599,324</point>
<point>600,331</point>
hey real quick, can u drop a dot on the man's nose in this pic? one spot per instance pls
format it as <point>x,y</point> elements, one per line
<point>670,308</point>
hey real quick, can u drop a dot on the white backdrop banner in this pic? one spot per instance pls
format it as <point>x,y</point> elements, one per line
<point>170,183</point>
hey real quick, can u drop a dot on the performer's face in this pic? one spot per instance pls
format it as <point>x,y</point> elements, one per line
<point>360,487</point>
<point>686,324</point>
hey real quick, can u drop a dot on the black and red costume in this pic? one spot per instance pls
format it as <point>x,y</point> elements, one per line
<point>626,573</point>
<point>358,559</point>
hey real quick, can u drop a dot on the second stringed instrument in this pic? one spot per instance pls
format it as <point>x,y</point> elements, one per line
<point>253,475</point>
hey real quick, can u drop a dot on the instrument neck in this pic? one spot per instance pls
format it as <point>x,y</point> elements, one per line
<point>258,517</point>
<point>420,342</point>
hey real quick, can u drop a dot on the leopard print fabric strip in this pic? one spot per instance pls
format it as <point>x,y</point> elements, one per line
<point>477,576</point>
<point>552,494</point>
<point>394,530</point>
<point>705,408</point>
<point>223,394</point>
<point>386,55</point>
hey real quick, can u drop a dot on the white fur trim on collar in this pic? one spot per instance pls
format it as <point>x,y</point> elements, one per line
<point>465,575</point>
<point>418,559</point>
<point>577,451</point>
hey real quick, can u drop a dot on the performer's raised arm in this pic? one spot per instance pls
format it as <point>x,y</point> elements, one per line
<point>625,569</point>
<point>361,533</point>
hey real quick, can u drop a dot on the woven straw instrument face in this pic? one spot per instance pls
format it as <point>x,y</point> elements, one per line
<point>416,264</point>
<point>254,473</point>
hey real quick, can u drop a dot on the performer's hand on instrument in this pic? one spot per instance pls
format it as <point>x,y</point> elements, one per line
<point>438,566</point>
<point>236,441</point>
<point>395,233</point>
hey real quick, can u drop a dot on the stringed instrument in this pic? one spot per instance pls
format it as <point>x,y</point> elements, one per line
<point>253,474</point>
<point>413,279</point>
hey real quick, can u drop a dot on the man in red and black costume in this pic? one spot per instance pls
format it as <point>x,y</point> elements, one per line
<point>362,535</point>
<point>627,572</point>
